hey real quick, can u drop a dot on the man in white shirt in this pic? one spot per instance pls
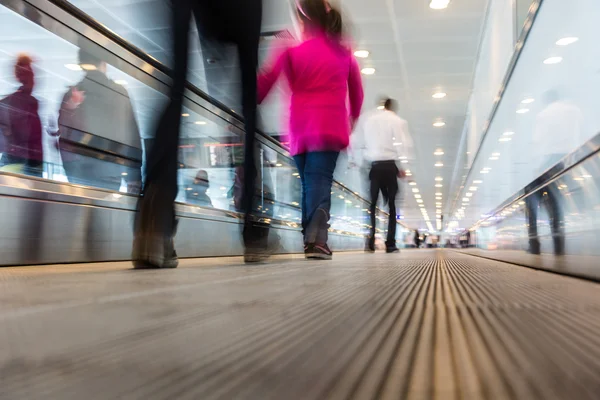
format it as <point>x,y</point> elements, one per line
<point>383,140</point>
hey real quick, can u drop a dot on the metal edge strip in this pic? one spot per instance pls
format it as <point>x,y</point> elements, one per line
<point>529,22</point>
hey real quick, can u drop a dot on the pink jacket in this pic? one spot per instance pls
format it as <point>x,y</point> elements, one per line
<point>322,76</point>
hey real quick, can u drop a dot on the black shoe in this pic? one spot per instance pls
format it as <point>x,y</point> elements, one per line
<point>154,253</point>
<point>534,247</point>
<point>391,250</point>
<point>318,252</point>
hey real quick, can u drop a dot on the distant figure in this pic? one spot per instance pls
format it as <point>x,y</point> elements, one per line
<point>386,142</point>
<point>323,75</point>
<point>198,195</point>
<point>97,105</point>
<point>20,124</point>
<point>417,239</point>
<point>558,131</point>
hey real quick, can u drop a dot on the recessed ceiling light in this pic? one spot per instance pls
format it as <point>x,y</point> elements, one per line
<point>553,60</point>
<point>185,115</point>
<point>397,143</point>
<point>522,110</point>
<point>409,174</point>
<point>586,176</point>
<point>473,188</point>
<point>528,100</point>
<point>368,71</point>
<point>578,179</point>
<point>200,122</point>
<point>361,53</point>
<point>121,82</point>
<point>494,158</point>
<point>567,41</point>
<point>466,199</point>
<point>124,173</point>
<point>439,164</point>
<point>73,67</point>
<point>438,198</point>
<point>485,171</point>
<point>495,154</point>
<point>438,194</point>
<point>404,162</point>
<point>380,107</point>
<point>415,190</point>
<point>439,124</point>
<point>477,182</point>
<point>438,204</point>
<point>419,201</point>
<point>89,67</point>
<point>505,139</point>
<point>439,95</point>
<point>418,196</point>
<point>469,194</point>
<point>439,185</point>
<point>438,153</point>
<point>439,4</point>
<point>439,179</point>
<point>413,184</point>
<point>509,133</point>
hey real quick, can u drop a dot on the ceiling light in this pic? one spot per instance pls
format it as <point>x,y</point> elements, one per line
<point>438,204</point>
<point>508,133</point>
<point>469,194</point>
<point>473,188</point>
<point>438,194</point>
<point>185,115</point>
<point>413,184</point>
<point>528,100</point>
<point>404,162</point>
<point>439,164</point>
<point>438,198</point>
<point>200,122</point>
<point>439,4</point>
<point>419,201</point>
<point>477,182</point>
<point>495,154</point>
<point>73,67</point>
<point>523,111</point>
<point>439,95</point>
<point>578,179</point>
<point>380,107</point>
<point>415,190</point>
<point>418,196</point>
<point>566,41</point>
<point>121,82</point>
<point>586,176</point>
<point>439,179</point>
<point>505,139</point>
<point>553,60</point>
<point>361,53</point>
<point>494,158</point>
<point>466,199</point>
<point>124,173</point>
<point>439,124</point>
<point>89,67</point>
<point>485,171</point>
<point>439,153</point>
<point>409,174</point>
<point>398,144</point>
<point>368,71</point>
<point>439,185</point>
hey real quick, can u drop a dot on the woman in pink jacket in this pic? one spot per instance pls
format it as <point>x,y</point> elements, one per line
<point>322,75</point>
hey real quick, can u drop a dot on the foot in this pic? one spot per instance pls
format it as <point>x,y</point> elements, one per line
<point>154,253</point>
<point>318,252</point>
<point>534,247</point>
<point>392,249</point>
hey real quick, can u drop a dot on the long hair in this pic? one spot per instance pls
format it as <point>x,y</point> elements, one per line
<point>320,14</point>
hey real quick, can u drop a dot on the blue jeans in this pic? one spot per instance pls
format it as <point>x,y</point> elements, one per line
<point>316,174</point>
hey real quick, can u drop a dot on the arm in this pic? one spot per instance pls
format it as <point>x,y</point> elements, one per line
<point>355,90</point>
<point>269,74</point>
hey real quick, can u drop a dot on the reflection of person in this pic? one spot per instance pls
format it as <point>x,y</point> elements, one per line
<point>235,21</point>
<point>385,140</point>
<point>558,131</point>
<point>198,195</point>
<point>99,106</point>
<point>322,74</point>
<point>20,122</point>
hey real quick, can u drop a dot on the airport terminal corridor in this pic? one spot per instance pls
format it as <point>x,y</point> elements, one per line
<point>423,324</point>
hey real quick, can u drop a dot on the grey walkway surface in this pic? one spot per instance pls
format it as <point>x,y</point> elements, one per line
<point>420,325</point>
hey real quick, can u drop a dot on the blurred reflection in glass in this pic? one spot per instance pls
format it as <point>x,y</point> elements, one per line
<point>97,105</point>
<point>558,130</point>
<point>197,195</point>
<point>20,124</point>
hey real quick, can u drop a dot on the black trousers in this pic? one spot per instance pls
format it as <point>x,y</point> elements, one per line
<point>233,21</point>
<point>384,180</point>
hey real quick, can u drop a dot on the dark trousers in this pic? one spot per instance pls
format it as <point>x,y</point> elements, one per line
<point>548,196</point>
<point>234,21</point>
<point>316,174</point>
<point>384,179</point>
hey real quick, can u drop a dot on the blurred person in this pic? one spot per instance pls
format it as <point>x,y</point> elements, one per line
<point>20,124</point>
<point>559,129</point>
<point>96,105</point>
<point>417,239</point>
<point>322,74</point>
<point>232,21</point>
<point>198,195</point>
<point>384,140</point>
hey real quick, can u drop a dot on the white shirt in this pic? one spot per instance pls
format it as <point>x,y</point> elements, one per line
<point>381,136</point>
